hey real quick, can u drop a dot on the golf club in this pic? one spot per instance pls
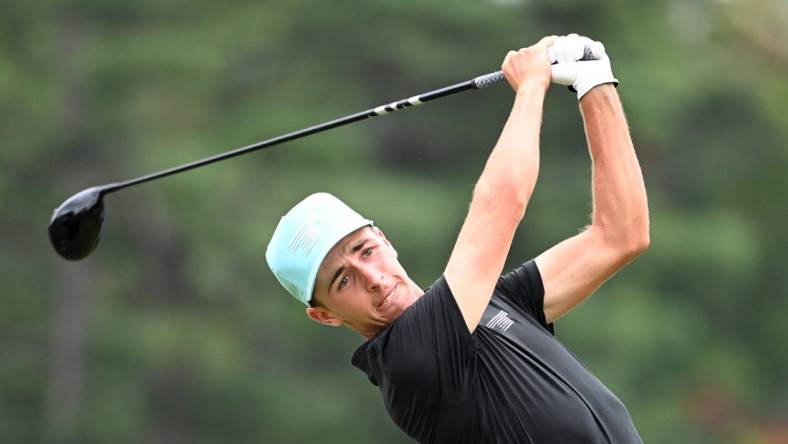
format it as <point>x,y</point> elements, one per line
<point>75,226</point>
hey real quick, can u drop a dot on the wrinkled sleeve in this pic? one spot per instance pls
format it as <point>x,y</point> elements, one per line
<point>523,286</point>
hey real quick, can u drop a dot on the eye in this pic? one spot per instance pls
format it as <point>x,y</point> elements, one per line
<point>367,252</point>
<point>343,282</point>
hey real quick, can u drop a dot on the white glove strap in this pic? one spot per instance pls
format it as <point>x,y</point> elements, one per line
<point>593,73</point>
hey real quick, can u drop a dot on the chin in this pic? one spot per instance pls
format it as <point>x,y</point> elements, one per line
<point>395,310</point>
<point>392,309</point>
<point>393,313</point>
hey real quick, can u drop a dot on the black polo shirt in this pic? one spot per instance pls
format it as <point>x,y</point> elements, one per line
<point>510,381</point>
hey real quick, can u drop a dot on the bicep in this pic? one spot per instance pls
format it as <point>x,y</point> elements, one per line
<point>572,270</point>
<point>479,254</point>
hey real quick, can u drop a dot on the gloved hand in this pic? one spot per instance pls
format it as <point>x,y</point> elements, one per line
<point>582,75</point>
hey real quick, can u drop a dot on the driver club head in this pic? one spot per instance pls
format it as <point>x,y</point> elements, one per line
<point>75,227</point>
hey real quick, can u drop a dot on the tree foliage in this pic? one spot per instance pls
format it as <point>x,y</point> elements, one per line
<point>175,331</point>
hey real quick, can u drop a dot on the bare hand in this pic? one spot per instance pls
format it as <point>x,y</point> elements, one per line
<point>529,66</point>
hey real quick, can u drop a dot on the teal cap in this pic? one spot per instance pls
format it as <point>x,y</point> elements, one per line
<point>304,237</point>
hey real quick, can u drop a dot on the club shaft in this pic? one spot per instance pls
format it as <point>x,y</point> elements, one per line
<point>476,83</point>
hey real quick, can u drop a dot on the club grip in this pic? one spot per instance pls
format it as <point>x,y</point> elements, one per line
<point>490,79</point>
<point>594,51</point>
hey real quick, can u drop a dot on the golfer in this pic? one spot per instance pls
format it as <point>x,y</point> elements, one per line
<point>473,358</point>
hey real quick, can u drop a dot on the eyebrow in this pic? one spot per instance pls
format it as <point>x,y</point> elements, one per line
<point>357,247</point>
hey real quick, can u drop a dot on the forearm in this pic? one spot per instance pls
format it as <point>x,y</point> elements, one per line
<point>620,208</point>
<point>498,205</point>
<point>502,192</point>
<point>513,166</point>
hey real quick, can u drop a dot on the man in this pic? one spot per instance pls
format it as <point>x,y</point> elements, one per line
<point>473,359</point>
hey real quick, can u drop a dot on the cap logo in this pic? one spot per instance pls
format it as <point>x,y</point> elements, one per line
<point>306,236</point>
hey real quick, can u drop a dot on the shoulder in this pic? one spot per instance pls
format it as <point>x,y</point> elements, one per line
<point>525,280</point>
<point>523,287</point>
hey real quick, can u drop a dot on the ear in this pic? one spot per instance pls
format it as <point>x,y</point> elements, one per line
<point>323,316</point>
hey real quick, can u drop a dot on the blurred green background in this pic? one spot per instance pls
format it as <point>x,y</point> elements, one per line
<point>174,330</point>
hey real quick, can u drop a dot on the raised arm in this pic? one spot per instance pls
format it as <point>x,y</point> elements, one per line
<point>504,188</point>
<point>619,229</point>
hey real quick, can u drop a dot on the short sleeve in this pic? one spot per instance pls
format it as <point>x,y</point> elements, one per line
<point>523,287</point>
<point>428,350</point>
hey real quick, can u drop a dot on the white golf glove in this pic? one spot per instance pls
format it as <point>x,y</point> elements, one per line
<point>579,75</point>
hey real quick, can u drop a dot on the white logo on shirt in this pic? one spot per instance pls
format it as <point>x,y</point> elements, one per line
<point>500,321</point>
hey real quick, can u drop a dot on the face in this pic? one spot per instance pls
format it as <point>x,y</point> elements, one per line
<point>362,285</point>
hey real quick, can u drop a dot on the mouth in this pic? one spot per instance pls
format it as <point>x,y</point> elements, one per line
<point>388,296</point>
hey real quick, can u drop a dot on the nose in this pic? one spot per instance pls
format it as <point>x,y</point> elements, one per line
<point>373,277</point>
